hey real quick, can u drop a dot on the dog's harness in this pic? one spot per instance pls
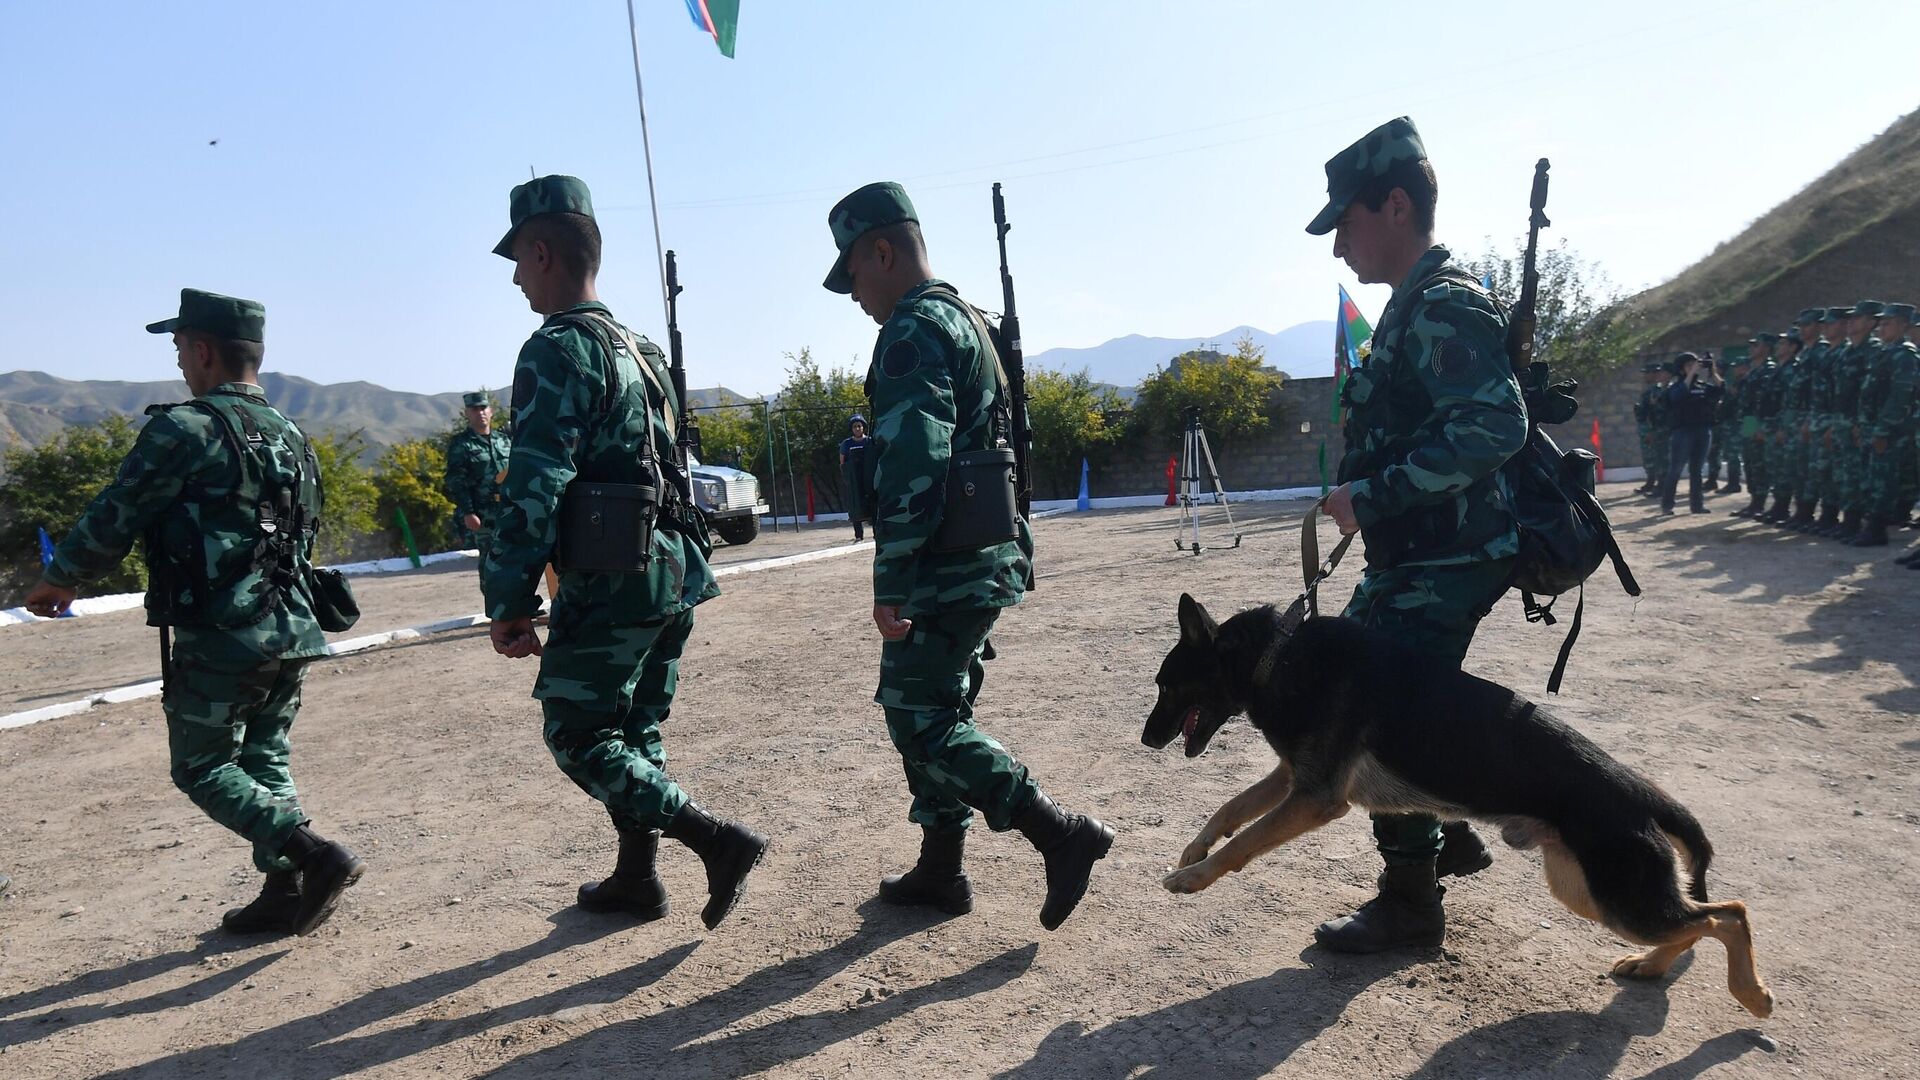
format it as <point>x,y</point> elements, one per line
<point>1307,604</point>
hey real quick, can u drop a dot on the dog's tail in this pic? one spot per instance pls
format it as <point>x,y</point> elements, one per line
<point>1682,827</point>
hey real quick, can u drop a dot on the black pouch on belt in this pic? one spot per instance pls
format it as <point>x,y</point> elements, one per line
<point>607,528</point>
<point>980,509</point>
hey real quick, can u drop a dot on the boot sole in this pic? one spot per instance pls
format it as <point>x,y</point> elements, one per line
<point>643,914</point>
<point>947,907</point>
<point>308,922</point>
<point>1100,848</point>
<point>712,919</point>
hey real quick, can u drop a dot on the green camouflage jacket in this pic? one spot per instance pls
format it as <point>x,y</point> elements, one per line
<point>1887,402</point>
<point>1801,375</point>
<point>1849,372</point>
<point>1433,413</point>
<point>933,386</point>
<point>473,462</point>
<point>567,424</point>
<point>1653,401</point>
<point>1819,379</point>
<point>182,457</point>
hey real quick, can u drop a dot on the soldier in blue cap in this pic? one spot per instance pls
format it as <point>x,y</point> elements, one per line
<point>1432,414</point>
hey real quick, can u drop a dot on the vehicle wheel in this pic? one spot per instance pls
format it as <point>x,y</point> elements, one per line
<point>738,530</point>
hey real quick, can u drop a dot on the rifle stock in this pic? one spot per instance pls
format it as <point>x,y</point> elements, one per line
<point>1016,366</point>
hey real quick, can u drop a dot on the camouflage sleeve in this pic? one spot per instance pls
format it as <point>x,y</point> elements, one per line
<point>913,424</point>
<point>150,479</point>
<point>1895,417</point>
<point>1478,419</point>
<point>552,406</point>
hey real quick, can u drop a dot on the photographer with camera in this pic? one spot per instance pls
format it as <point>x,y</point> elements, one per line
<point>1691,401</point>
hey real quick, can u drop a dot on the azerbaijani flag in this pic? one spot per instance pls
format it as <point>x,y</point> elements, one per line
<point>721,18</point>
<point>1350,331</point>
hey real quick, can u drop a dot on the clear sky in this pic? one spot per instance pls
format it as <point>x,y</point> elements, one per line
<point>1160,159</point>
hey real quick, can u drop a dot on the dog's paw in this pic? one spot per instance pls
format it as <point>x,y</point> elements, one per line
<point>1196,851</point>
<point>1190,879</point>
<point>1641,966</point>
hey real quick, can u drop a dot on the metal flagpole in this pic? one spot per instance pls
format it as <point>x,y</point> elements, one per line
<point>653,199</point>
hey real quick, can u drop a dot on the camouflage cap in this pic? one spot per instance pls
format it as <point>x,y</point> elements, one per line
<point>1869,307</point>
<point>1350,170</point>
<point>543,195</point>
<point>476,399</point>
<point>1792,337</point>
<point>1809,315</point>
<point>1835,314</point>
<point>861,212</point>
<point>1898,311</point>
<point>222,316</point>
<point>1734,355</point>
<point>1763,338</point>
<point>1652,366</point>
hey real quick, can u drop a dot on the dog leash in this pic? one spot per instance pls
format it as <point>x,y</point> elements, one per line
<point>1312,570</point>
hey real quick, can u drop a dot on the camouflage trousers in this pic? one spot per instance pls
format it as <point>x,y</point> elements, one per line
<point>1884,482</point>
<point>1435,609</point>
<point>1646,453</point>
<point>1754,454</point>
<point>1784,455</point>
<point>1662,446</point>
<point>928,683</point>
<point>605,691</point>
<point>1726,448</point>
<point>227,734</point>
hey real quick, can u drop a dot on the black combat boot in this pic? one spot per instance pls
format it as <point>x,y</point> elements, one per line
<point>935,881</point>
<point>1756,506</point>
<point>1911,555</point>
<point>1462,852</point>
<point>1071,844</point>
<point>272,912</point>
<point>1711,484</point>
<point>633,887</point>
<point>730,852</point>
<point>1873,533</point>
<point>327,870</point>
<point>1405,915</point>
<point>1802,518</point>
<point>1779,514</point>
<point>1829,521</point>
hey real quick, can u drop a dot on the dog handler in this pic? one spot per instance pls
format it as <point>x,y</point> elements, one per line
<point>1432,414</point>
<point>939,582</point>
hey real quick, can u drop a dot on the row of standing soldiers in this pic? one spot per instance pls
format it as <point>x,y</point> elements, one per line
<point>1821,418</point>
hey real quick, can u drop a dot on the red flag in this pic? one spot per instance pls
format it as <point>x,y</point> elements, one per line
<point>1600,466</point>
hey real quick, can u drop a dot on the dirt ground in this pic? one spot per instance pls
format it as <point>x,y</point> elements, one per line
<point>1768,681</point>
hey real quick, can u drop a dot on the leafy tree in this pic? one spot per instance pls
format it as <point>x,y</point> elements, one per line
<point>349,526</point>
<point>734,437</point>
<point>49,486</point>
<point>1070,418</point>
<point>1577,326</point>
<point>1236,393</point>
<point>810,419</point>
<point>408,477</point>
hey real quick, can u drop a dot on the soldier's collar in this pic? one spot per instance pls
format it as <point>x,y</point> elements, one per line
<point>246,389</point>
<point>1433,260</point>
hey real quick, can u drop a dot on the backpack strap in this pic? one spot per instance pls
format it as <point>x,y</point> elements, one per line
<point>1002,392</point>
<point>608,331</point>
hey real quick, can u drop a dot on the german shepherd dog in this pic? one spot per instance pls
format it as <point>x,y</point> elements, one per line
<point>1359,718</point>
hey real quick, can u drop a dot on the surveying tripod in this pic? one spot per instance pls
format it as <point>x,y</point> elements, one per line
<point>1195,453</point>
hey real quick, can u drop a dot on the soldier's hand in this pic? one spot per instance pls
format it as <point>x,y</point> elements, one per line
<point>1880,444</point>
<point>514,638</point>
<point>472,522</point>
<point>1340,509</point>
<point>892,626</point>
<point>48,600</point>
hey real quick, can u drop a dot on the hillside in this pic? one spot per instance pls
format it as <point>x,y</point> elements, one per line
<point>1852,234</point>
<point>1301,351</point>
<point>34,405</point>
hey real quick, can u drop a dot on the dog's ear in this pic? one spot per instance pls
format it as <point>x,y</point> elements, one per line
<point>1196,625</point>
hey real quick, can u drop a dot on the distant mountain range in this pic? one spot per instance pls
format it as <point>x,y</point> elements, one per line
<point>34,406</point>
<point>1301,351</point>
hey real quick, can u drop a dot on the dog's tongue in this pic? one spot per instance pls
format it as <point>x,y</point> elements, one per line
<point>1191,721</point>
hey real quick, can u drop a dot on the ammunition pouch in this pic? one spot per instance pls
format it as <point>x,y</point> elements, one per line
<point>334,606</point>
<point>981,508</point>
<point>607,528</point>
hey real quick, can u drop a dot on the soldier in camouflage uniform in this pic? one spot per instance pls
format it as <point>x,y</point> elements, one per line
<point>1848,462</point>
<point>1785,457</point>
<point>226,496</point>
<point>936,388</point>
<point>1431,416</point>
<point>1886,423</point>
<point>1660,426</point>
<point>476,462</point>
<point>1727,443</point>
<point>1756,409</point>
<point>589,397</point>
<point>1817,423</point>
<point>1650,372</point>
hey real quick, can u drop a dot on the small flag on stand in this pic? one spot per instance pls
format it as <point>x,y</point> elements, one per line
<point>46,549</point>
<point>721,18</point>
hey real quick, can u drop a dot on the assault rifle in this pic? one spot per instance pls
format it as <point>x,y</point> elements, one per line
<point>1016,367</point>
<point>1520,322</point>
<point>686,441</point>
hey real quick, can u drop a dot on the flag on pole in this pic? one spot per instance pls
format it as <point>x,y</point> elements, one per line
<point>46,549</point>
<point>1350,331</point>
<point>721,18</point>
